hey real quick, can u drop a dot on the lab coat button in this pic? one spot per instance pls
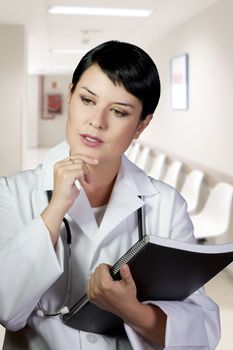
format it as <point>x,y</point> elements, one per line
<point>92,338</point>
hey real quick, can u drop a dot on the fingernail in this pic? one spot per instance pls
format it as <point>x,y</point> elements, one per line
<point>78,185</point>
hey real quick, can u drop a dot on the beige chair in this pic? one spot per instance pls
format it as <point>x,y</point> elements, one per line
<point>214,219</point>
<point>172,175</point>
<point>157,167</point>
<point>130,149</point>
<point>144,158</point>
<point>134,152</point>
<point>191,189</point>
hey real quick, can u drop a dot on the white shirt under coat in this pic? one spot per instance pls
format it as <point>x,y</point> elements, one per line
<point>31,269</point>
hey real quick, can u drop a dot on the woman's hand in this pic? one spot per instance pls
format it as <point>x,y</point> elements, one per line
<point>120,298</point>
<point>66,172</point>
<point>117,297</point>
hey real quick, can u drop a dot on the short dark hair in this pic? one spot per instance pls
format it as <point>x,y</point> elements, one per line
<point>128,65</point>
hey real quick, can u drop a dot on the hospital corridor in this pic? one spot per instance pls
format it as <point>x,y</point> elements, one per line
<point>188,143</point>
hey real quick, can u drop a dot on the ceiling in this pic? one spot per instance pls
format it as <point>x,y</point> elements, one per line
<point>46,32</point>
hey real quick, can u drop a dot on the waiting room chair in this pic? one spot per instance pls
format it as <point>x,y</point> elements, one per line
<point>191,189</point>
<point>144,158</point>
<point>214,219</point>
<point>134,152</point>
<point>157,167</point>
<point>172,175</point>
<point>130,148</point>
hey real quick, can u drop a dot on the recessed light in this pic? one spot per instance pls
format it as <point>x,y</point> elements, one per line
<point>99,11</point>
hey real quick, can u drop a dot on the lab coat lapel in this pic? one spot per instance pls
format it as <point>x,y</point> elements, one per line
<point>131,183</point>
<point>82,213</point>
<point>117,210</point>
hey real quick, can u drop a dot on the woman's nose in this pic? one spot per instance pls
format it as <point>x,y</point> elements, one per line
<point>98,121</point>
<point>96,125</point>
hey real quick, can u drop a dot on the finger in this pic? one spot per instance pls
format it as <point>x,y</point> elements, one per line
<point>103,272</point>
<point>77,170</point>
<point>85,158</point>
<point>75,159</point>
<point>100,279</point>
<point>126,275</point>
<point>87,174</point>
<point>93,287</point>
<point>82,166</point>
<point>78,184</point>
<point>81,177</point>
<point>88,286</point>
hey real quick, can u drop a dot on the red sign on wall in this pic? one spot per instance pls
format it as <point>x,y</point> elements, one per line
<point>54,104</point>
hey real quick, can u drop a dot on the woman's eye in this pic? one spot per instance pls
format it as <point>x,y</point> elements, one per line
<point>119,113</point>
<point>86,100</point>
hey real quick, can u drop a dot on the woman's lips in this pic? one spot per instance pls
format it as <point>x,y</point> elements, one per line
<point>91,141</point>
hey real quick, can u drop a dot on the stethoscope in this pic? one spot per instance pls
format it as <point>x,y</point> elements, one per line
<point>41,311</point>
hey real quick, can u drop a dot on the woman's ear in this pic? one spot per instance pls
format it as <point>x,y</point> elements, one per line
<point>142,125</point>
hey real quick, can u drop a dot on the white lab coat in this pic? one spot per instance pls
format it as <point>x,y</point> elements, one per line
<point>30,267</point>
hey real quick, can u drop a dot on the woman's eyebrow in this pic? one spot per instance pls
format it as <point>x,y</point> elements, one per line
<point>91,92</point>
<point>125,104</point>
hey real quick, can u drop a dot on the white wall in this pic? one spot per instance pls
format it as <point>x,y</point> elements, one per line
<point>33,110</point>
<point>12,96</point>
<point>203,133</point>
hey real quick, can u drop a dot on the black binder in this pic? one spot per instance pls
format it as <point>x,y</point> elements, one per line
<point>163,269</point>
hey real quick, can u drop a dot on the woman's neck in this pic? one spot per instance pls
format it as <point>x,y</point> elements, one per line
<point>102,180</point>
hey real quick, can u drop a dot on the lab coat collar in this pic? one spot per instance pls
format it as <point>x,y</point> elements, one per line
<point>131,183</point>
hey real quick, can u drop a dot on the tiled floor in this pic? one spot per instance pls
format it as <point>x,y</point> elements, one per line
<point>221,290</point>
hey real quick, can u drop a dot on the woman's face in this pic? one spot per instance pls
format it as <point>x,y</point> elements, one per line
<point>103,118</point>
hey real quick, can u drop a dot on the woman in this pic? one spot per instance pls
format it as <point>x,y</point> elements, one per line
<point>114,92</point>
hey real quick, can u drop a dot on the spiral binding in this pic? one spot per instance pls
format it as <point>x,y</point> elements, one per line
<point>136,248</point>
<point>75,309</point>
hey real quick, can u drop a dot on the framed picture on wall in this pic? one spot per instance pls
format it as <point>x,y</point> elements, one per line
<point>179,82</point>
<point>54,103</point>
<point>52,107</point>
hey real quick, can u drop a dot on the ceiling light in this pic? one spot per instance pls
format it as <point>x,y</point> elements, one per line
<point>99,11</point>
